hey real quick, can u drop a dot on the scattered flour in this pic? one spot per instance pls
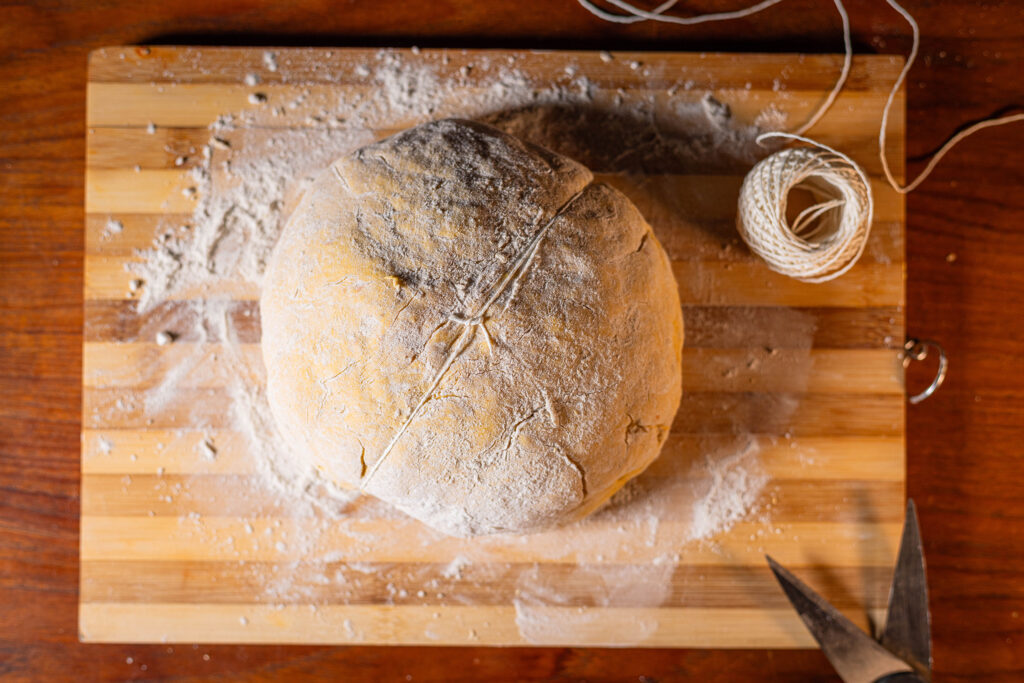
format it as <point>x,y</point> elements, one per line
<point>567,611</point>
<point>734,486</point>
<point>112,228</point>
<point>455,567</point>
<point>247,179</point>
<point>270,61</point>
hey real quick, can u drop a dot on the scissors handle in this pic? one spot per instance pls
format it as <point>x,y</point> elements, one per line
<point>902,677</point>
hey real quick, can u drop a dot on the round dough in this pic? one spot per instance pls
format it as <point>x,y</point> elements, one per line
<point>470,328</point>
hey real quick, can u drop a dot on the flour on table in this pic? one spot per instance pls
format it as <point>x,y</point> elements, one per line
<point>247,178</point>
<point>270,61</point>
<point>112,228</point>
<point>546,614</point>
<point>733,487</point>
<point>454,568</point>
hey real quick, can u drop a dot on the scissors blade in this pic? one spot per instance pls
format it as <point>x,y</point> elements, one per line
<point>908,626</point>
<point>855,656</point>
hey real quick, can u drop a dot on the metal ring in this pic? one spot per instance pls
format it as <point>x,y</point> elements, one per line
<point>917,349</point>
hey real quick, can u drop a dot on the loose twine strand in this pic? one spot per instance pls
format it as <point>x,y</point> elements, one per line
<point>844,210</point>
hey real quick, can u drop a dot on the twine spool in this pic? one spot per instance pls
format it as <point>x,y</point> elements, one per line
<point>827,238</point>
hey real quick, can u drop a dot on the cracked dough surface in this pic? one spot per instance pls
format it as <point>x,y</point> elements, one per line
<point>473,330</point>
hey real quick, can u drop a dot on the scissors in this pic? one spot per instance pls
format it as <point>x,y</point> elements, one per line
<point>903,652</point>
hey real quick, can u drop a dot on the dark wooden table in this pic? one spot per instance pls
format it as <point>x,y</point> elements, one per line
<point>965,257</point>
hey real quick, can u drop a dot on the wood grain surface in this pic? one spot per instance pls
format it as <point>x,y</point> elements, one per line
<point>965,259</point>
<point>183,555</point>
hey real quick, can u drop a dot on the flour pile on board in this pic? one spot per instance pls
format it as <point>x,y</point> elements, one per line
<point>734,486</point>
<point>245,180</point>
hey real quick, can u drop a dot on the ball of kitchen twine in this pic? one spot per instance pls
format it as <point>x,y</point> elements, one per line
<point>827,238</point>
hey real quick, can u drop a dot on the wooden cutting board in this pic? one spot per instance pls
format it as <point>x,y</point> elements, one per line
<point>167,536</point>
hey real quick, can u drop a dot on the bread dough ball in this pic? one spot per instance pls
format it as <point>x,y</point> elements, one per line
<point>472,329</point>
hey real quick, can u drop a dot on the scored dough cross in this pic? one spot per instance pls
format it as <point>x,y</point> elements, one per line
<point>470,323</point>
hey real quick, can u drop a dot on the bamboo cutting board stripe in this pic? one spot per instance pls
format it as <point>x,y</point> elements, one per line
<point>699,413</point>
<point>871,458</point>
<point>722,586</point>
<point>138,229</point>
<point>131,538</point>
<point>107,147</point>
<point>662,70</point>
<point>430,625</point>
<point>240,495</point>
<point>709,283</point>
<point>144,364</point>
<point>153,191</point>
<point>715,327</point>
<point>191,106</point>
<point>177,547</point>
